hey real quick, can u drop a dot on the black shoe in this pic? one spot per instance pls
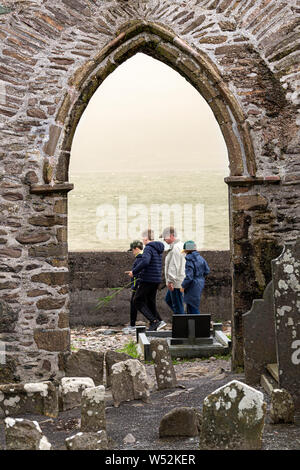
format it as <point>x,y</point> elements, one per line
<point>153,326</point>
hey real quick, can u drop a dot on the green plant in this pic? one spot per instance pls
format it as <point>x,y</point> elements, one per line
<point>130,349</point>
<point>225,357</point>
<point>102,301</point>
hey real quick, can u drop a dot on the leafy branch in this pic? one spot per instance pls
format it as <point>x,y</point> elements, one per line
<point>114,291</point>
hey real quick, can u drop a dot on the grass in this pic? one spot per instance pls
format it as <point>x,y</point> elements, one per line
<point>130,349</point>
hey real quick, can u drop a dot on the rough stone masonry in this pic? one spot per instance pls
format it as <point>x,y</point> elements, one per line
<point>242,57</point>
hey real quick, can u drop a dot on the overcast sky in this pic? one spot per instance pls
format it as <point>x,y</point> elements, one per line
<point>145,116</point>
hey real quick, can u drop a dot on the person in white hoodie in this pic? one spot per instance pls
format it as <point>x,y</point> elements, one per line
<point>174,270</point>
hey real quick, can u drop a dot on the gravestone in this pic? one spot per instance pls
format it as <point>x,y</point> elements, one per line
<point>70,391</point>
<point>22,434</point>
<point>191,329</point>
<point>93,409</point>
<point>233,418</point>
<point>163,366</point>
<point>259,336</point>
<point>286,287</point>
<point>111,358</point>
<point>282,408</point>
<point>86,363</point>
<point>129,381</point>
<point>18,399</point>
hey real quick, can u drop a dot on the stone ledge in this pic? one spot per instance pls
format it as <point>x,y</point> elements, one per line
<point>48,188</point>
<point>250,180</point>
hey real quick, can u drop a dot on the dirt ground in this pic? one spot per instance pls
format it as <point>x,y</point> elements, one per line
<point>196,380</point>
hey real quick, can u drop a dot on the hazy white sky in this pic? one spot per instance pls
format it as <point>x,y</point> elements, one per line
<point>145,116</point>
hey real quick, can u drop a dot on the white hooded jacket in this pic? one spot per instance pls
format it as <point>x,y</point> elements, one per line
<point>175,264</point>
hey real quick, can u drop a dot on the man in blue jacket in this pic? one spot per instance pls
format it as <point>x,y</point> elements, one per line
<point>149,272</point>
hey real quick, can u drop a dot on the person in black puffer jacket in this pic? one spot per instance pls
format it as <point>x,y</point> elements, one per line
<point>149,270</point>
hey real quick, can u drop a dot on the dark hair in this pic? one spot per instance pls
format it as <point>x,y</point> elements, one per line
<point>136,244</point>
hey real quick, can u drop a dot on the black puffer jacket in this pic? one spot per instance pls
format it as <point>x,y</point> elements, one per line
<point>150,266</point>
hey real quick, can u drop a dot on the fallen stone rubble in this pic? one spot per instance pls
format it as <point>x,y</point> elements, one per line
<point>232,417</point>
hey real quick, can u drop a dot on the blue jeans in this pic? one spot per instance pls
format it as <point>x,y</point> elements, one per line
<point>175,301</point>
<point>192,310</point>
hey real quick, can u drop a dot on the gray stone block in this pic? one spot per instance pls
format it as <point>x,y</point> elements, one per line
<point>233,418</point>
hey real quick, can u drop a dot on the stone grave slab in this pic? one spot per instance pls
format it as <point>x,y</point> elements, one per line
<point>233,418</point>
<point>259,336</point>
<point>18,399</point>
<point>286,287</point>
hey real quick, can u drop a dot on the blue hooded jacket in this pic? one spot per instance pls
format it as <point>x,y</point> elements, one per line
<point>196,269</point>
<point>149,268</point>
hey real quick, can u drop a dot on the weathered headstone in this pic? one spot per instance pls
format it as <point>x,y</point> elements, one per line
<point>111,358</point>
<point>233,418</point>
<point>88,441</point>
<point>86,363</point>
<point>129,381</point>
<point>70,391</point>
<point>163,365</point>
<point>40,397</point>
<point>286,284</point>
<point>282,408</point>
<point>93,409</point>
<point>182,421</point>
<point>22,434</point>
<point>259,336</point>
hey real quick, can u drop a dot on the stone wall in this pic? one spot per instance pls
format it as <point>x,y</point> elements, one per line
<point>242,56</point>
<point>94,274</point>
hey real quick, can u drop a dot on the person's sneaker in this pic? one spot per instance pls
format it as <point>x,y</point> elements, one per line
<point>129,329</point>
<point>153,326</point>
<point>161,325</point>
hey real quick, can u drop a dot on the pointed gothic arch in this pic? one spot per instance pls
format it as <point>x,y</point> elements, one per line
<point>194,65</point>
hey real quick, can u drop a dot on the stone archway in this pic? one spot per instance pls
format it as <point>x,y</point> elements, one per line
<point>195,66</point>
<point>241,58</point>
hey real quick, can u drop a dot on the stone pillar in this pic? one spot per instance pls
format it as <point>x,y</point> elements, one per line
<point>37,300</point>
<point>93,409</point>
<point>164,369</point>
<point>252,249</point>
<point>286,284</point>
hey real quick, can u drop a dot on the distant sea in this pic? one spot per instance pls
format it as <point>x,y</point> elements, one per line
<point>107,210</point>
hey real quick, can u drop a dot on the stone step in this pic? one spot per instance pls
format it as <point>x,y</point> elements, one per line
<point>267,383</point>
<point>273,370</point>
